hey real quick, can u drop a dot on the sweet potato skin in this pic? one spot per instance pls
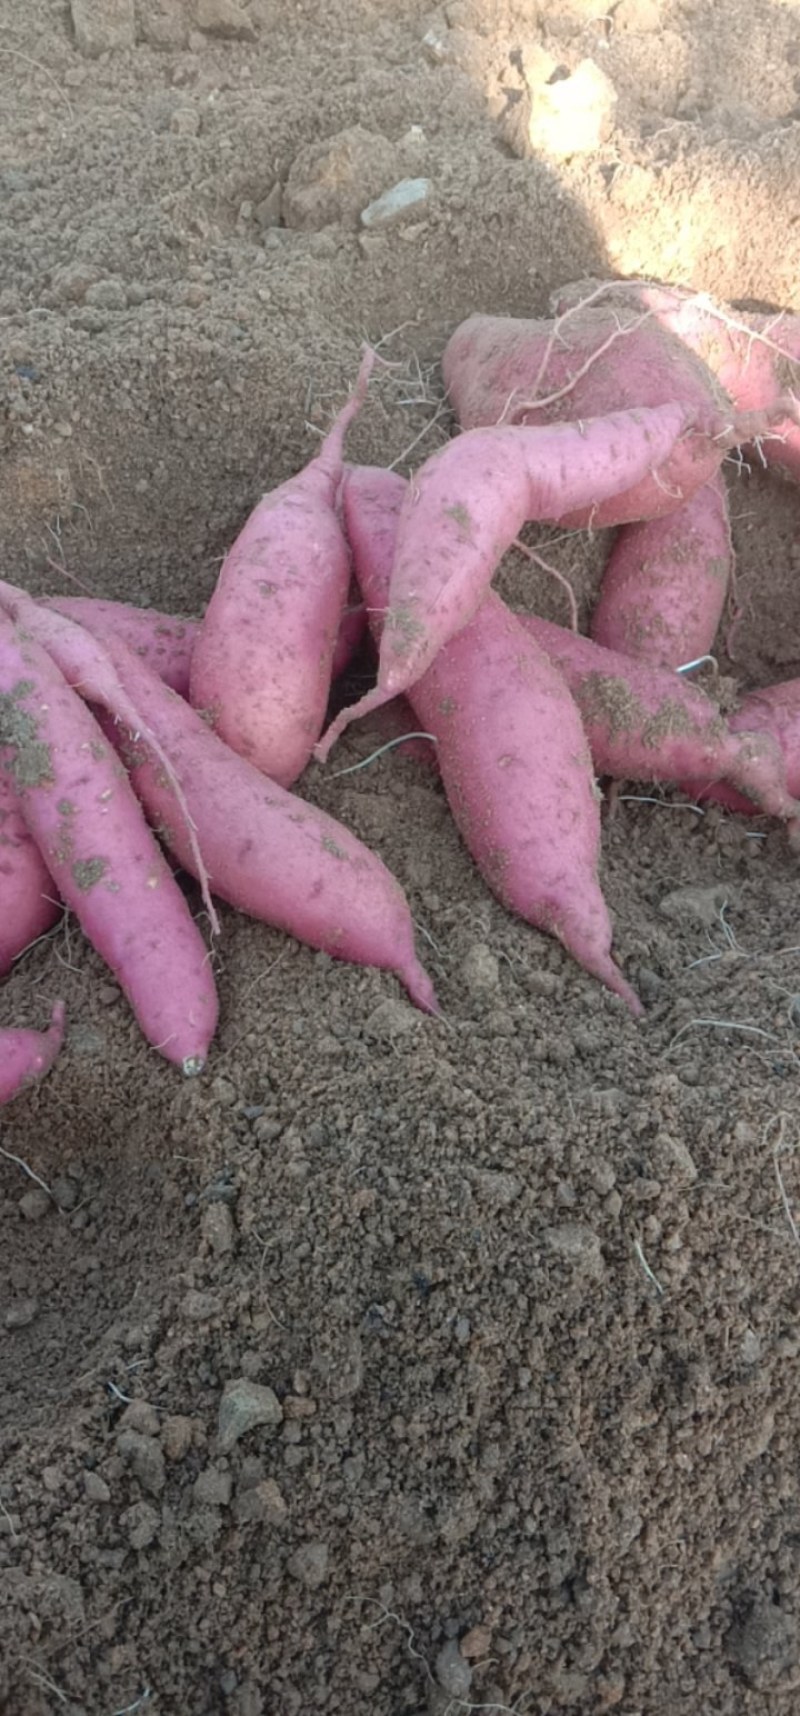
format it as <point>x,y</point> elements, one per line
<point>510,749</point>
<point>648,724</point>
<point>268,852</point>
<point>465,507</point>
<point>25,1056</point>
<point>495,367</point>
<point>773,713</point>
<point>666,580</point>
<point>262,663</point>
<point>164,641</point>
<point>29,903</point>
<point>91,833</point>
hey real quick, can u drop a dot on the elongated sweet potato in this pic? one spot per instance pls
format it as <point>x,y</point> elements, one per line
<point>262,662</point>
<point>268,852</point>
<point>25,1056</point>
<point>666,580</point>
<point>645,723</point>
<point>510,748</point>
<point>84,817</point>
<point>29,903</point>
<point>164,641</point>
<point>465,507</point>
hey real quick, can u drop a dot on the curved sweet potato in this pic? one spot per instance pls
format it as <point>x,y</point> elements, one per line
<point>29,904</point>
<point>25,1056</point>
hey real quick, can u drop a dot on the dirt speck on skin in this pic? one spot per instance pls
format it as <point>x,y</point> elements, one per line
<point>521,1283</point>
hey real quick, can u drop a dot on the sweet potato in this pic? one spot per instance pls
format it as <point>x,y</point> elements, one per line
<point>510,748</point>
<point>496,368</point>
<point>774,713</point>
<point>647,724</point>
<point>268,852</point>
<point>28,898</point>
<point>262,662</point>
<point>755,358</point>
<point>465,507</point>
<point>25,1056</point>
<point>92,835</point>
<point>665,582</point>
<point>164,641</point>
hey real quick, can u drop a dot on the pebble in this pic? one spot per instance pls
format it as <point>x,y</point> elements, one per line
<point>176,1436</point>
<point>218,1229</point>
<point>145,1458</point>
<point>102,26</point>
<point>571,116</point>
<point>243,1406</point>
<point>476,1643</point>
<point>407,197</point>
<point>34,1204</point>
<point>95,1488</point>
<point>452,1671</point>
<point>226,19</point>
<point>21,1313</point>
<point>141,1524</point>
<point>391,1019</point>
<point>309,1564</point>
<point>65,1192</point>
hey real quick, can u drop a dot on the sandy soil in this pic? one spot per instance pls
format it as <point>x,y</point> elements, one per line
<point>526,1285</point>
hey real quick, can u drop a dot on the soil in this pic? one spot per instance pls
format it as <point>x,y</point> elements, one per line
<point>524,1284</point>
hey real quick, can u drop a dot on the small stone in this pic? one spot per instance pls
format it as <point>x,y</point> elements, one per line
<point>299,1406</point>
<point>407,197</point>
<point>141,1524</point>
<point>95,1488</point>
<point>176,1436</point>
<point>673,1160</point>
<point>309,1564</point>
<point>141,1417</point>
<point>34,1204</point>
<point>576,1245</point>
<point>243,1406</point>
<point>560,115</point>
<point>260,1504</point>
<point>21,1313</point>
<point>452,1671</point>
<point>101,26</point>
<point>213,1488</point>
<point>107,295</point>
<point>476,1643</point>
<point>766,1648</point>
<point>434,47</point>
<point>480,970</point>
<point>146,1459</point>
<point>219,1232</point>
<point>226,19</point>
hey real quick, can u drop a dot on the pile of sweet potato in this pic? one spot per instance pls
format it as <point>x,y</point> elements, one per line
<point>124,732</point>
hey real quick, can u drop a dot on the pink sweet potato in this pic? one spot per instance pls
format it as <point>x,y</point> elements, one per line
<point>774,713</point>
<point>465,507</point>
<point>28,897</point>
<point>645,723</point>
<point>84,817</point>
<point>268,852</point>
<point>496,368</point>
<point>665,582</point>
<point>755,358</point>
<point>25,1056</point>
<point>510,748</point>
<point>262,662</point>
<point>164,641</point>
